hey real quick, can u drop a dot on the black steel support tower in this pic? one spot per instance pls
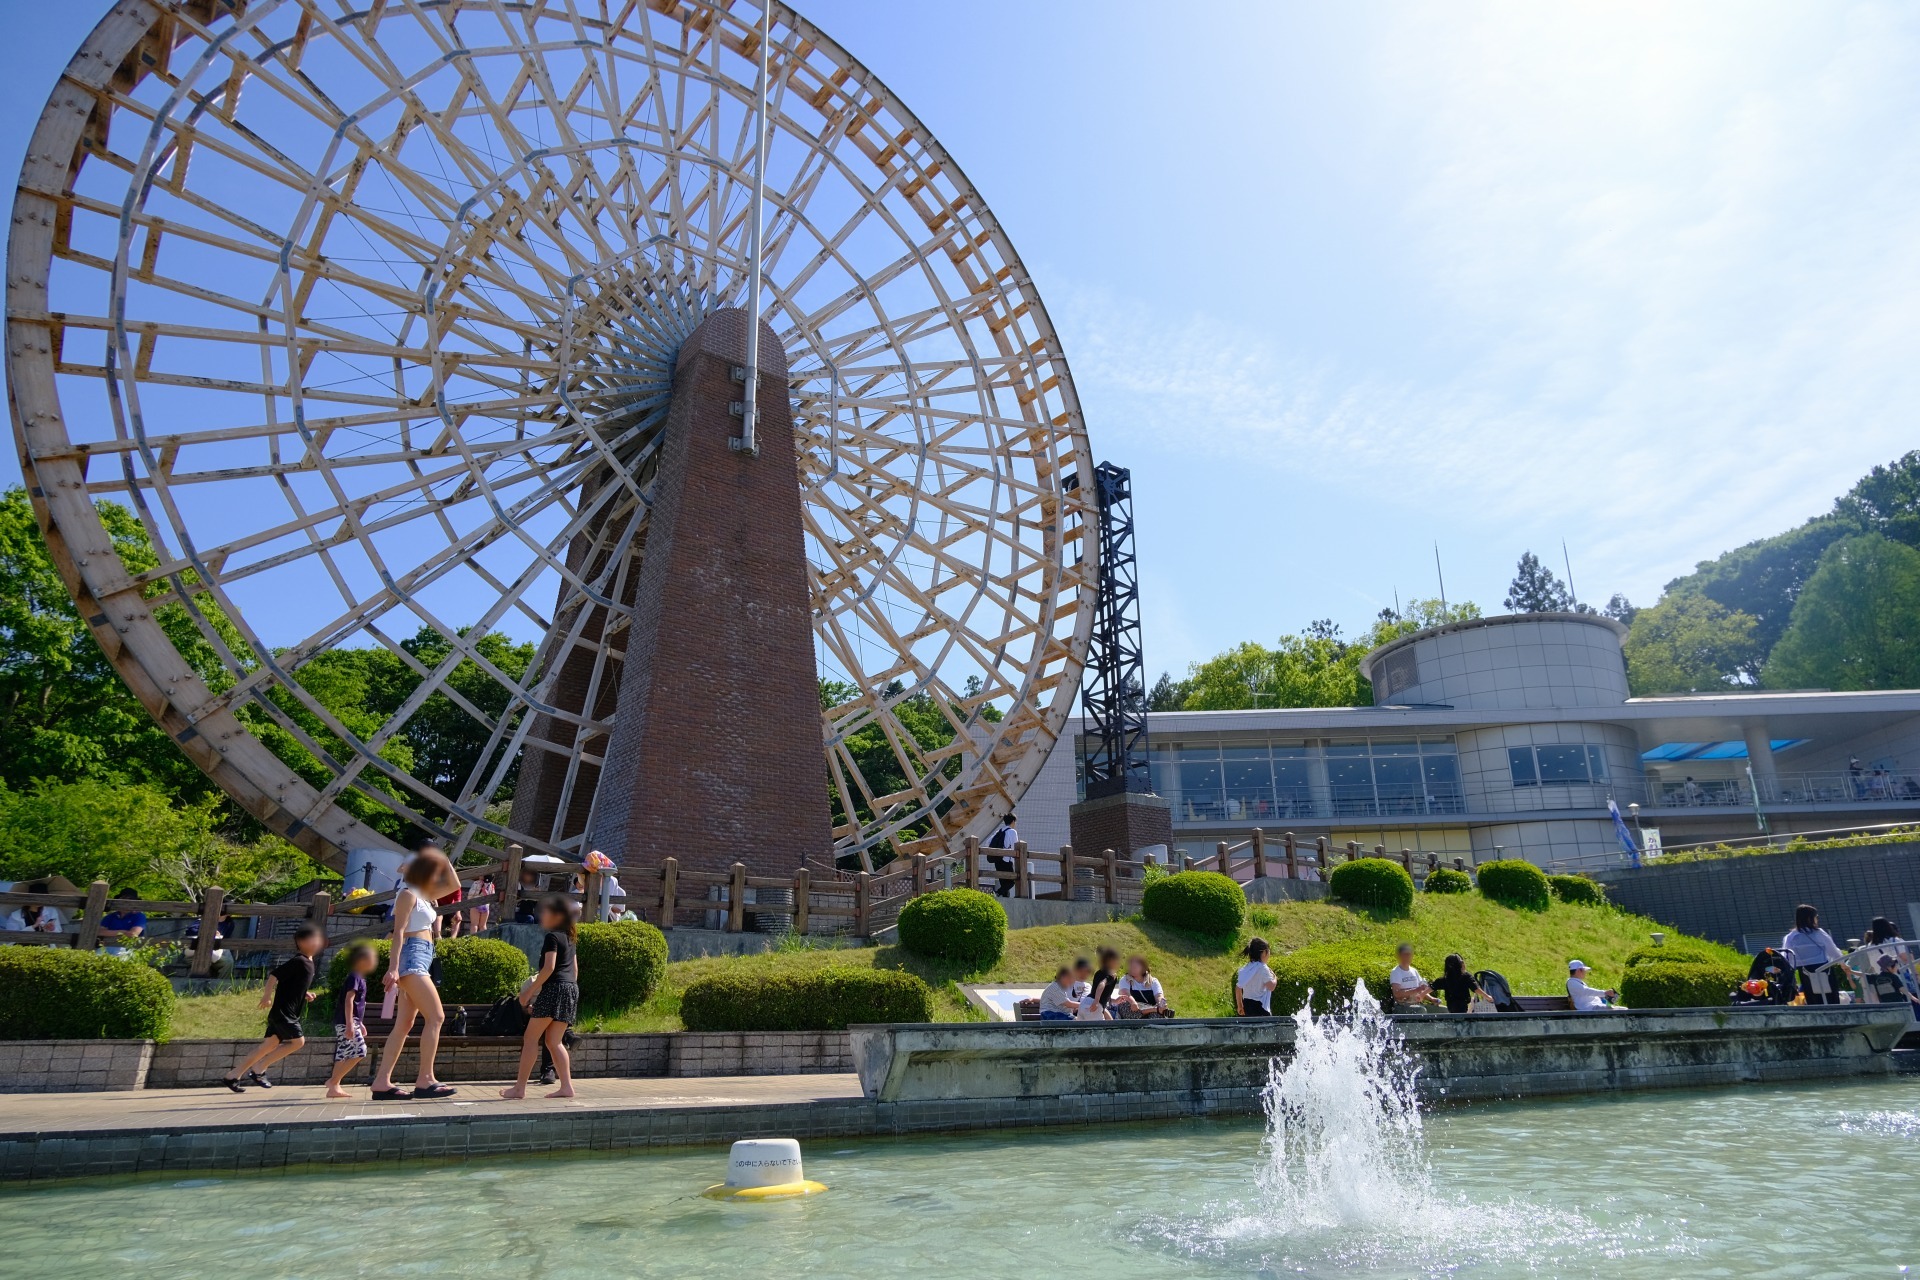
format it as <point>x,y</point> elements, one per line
<point>1113,692</point>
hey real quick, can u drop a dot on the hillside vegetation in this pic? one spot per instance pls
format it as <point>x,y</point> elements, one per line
<point>1531,948</point>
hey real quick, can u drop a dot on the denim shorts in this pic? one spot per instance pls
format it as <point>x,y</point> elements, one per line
<point>416,956</point>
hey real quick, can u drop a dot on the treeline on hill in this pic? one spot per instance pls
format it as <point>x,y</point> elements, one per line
<point>1832,604</point>
<point>91,787</point>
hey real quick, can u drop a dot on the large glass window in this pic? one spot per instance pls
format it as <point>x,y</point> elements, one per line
<point>1249,781</point>
<point>1561,764</point>
<point>1200,793</point>
<point>1520,762</point>
<point>1557,766</point>
<point>1265,783</point>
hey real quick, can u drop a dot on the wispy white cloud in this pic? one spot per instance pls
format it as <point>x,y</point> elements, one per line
<point>1667,261</point>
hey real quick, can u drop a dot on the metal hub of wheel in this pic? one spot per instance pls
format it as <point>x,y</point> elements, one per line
<point>368,310</point>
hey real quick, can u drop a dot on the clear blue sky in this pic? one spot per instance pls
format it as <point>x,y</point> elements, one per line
<point>1339,281</point>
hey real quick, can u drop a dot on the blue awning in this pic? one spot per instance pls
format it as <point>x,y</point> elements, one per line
<point>1728,750</point>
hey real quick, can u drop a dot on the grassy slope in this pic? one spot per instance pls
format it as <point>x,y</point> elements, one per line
<point>1531,949</point>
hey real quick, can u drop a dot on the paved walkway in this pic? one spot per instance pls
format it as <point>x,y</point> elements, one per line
<point>182,1110</point>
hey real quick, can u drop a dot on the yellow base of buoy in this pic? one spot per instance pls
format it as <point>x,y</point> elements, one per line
<point>721,1191</point>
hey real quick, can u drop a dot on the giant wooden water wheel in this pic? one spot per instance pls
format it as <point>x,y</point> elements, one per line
<point>367,309</point>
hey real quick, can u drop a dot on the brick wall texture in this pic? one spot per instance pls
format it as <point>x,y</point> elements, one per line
<point>716,753</point>
<point>1125,824</point>
<point>1734,898</point>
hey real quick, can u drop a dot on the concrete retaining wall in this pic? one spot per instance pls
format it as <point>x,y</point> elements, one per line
<point>74,1066</point>
<point>1461,1056</point>
<point>1734,898</point>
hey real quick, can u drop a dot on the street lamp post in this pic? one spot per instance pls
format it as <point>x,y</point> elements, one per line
<point>1633,808</point>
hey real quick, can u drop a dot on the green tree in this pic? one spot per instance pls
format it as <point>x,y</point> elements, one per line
<point>1856,624</point>
<point>1168,694</point>
<point>1886,501</point>
<point>64,713</point>
<point>1535,589</point>
<point>1689,643</point>
<point>1763,579</point>
<point>1314,669</point>
<point>137,836</point>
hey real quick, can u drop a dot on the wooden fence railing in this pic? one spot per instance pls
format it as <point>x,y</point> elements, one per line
<point>809,901</point>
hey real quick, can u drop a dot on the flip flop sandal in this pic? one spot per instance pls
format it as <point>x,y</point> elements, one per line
<point>254,1077</point>
<point>391,1095</point>
<point>435,1091</point>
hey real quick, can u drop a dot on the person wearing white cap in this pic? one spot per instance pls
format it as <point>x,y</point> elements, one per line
<point>1582,995</point>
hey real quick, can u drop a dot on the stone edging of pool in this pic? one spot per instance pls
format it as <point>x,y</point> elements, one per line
<point>1022,1074</point>
<point>1462,1057</point>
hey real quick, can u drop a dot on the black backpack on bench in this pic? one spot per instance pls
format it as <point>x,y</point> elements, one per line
<point>505,1018</point>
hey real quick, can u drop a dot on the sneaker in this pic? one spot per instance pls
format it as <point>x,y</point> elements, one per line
<point>254,1077</point>
<point>547,1076</point>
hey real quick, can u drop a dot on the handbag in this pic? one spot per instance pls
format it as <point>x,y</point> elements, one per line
<point>1481,1004</point>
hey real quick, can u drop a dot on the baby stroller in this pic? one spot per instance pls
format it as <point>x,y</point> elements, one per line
<point>1494,983</point>
<point>1770,980</point>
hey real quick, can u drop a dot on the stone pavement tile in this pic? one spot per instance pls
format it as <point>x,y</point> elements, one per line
<point>185,1110</point>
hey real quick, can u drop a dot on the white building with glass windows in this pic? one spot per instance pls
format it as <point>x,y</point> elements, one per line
<point>1506,737</point>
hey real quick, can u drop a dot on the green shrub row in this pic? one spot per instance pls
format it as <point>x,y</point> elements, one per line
<point>960,926</point>
<point>1447,880</point>
<point>1330,970</point>
<point>621,965</point>
<point>830,999</point>
<point>1203,902</point>
<point>1578,889</point>
<point>1673,985</point>
<point>1373,882</point>
<point>1513,882</point>
<point>54,993</point>
<point>472,970</point>
<point>1684,950</point>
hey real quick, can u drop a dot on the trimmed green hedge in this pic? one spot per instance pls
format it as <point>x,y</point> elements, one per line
<point>1684,950</point>
<point>54,993</point>
<point>1197,901</point>
<point>479,970</point>
<point>1373,882</point>
<point>1447,880</point>
<point>1578,889</point>
<point>961,926</point>
<point>621,965</point>
<point>472,970</point>
<point>1671,985</point>
<point>1513,882</point>
<point>1330,970</point>
<point>829,999</point>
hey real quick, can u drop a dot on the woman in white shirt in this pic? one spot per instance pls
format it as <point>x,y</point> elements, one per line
<point>1253,985</point>
<point>1812,949</point>
<point>1141,991</point>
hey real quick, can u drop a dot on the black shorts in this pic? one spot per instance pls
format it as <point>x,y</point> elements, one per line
<point>284,1028</point>
<point>559,1000</point>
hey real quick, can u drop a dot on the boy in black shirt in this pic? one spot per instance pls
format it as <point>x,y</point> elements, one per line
<point>287,993</point>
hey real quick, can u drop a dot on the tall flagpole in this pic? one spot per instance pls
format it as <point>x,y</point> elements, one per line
<point>746,443</point>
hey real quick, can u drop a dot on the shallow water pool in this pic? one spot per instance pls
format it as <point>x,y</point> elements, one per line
<point>1782,1181</point>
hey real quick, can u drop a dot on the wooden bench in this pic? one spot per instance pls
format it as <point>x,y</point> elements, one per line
<point>379,1027</point>
<point>1544,1004</point>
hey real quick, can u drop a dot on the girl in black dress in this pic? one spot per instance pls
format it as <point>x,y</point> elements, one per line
<point>552,999</point>
<point>1457,985</point>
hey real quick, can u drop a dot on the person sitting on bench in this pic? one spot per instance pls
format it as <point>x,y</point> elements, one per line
<point>1057,1002</point>
<point>1583,996</point>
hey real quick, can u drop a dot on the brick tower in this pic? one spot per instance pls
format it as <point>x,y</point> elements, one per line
<point>715,755</point>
